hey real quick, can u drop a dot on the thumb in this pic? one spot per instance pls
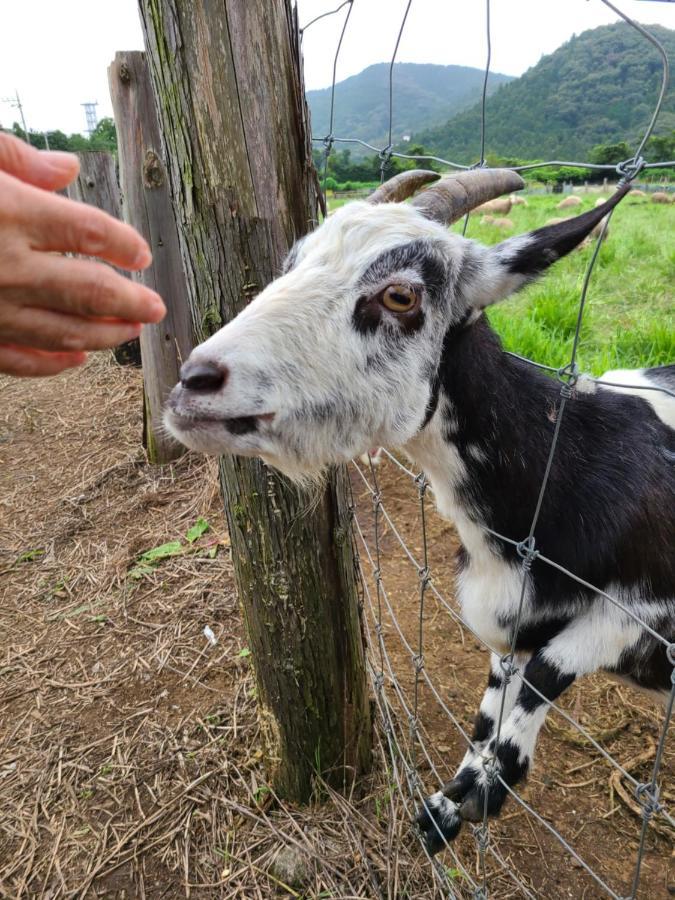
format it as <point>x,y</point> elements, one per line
<point>51,170</point>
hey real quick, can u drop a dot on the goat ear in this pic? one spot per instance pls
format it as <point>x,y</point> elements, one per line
<point>505,268</point>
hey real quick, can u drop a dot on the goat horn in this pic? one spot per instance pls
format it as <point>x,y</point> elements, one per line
<point>457,195</point>
<point>402,186</point>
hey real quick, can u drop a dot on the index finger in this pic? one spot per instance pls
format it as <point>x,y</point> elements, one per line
<point>57,224</point>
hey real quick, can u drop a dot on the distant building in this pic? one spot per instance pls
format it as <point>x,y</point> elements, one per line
<point>406,138</point>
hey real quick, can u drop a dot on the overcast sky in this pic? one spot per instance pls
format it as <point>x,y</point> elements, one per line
<point>56,53</point>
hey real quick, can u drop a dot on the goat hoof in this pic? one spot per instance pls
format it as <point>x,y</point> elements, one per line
<point>471,809</point>
<point>472,805</point>
<point>439,821</point>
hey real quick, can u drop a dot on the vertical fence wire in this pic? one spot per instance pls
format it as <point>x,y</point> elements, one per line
<point>407,747</point>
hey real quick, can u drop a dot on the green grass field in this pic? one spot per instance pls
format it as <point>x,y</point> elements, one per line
<point>629,320</point>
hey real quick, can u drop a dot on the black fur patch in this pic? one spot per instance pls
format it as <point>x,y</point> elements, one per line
<point>482,727</point>
<point>417,255</point>
<point>548,244</point>
<point>546,679</point>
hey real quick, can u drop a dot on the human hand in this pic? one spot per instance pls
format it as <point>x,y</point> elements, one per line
<point>53,309</point>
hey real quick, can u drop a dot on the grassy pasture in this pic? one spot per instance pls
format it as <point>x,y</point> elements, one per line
<point>629,320</point>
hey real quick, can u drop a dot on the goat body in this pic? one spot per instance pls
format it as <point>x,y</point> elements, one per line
<point>375,336</point>
<point>607,516</point>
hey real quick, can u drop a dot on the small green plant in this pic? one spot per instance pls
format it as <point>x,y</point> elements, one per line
<point>200,527</point>
<point>29,555</point>
<point>260,794</point>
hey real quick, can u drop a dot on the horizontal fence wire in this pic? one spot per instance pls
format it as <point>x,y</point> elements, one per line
<point>407,739</point>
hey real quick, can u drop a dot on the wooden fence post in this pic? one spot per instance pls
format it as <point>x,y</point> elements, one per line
<point>98,186</point>
<point>228,86</point>
<point>147,206</point>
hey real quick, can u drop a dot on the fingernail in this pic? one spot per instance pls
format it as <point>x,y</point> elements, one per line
<point>143,259</point>
<point>159,305</point>
<point>59,160</point>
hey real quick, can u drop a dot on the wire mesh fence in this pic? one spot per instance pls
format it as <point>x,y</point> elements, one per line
<point>398,655</point>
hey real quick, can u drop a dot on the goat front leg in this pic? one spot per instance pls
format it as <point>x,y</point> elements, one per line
<point>483,776</point>
<point>440,819</point>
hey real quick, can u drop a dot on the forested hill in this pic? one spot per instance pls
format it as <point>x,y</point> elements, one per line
<point>598,88</point>
<point>424,95</point>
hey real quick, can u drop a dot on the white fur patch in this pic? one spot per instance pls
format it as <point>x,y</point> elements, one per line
<point>448,810</point>
<point>636,381</point>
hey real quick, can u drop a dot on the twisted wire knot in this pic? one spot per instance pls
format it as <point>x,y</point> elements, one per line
<point>422,483</point>
<point>527,552</point>
<point>648,798</point>
<point>418,662</point>
<point>629,168</point>
<point>507,667</point>
<point>491,767</point>
<point>670,654</point>
<point>568,375</point>
<point>482,836</point>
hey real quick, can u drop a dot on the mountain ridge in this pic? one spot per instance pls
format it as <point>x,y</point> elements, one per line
<point>598,87</point>
<point>424,95</point>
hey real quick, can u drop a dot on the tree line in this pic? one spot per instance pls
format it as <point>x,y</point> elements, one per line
<point>103,137</point>
<point>343,173</point>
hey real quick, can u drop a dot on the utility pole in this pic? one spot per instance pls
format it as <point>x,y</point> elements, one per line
<point>17,104</point>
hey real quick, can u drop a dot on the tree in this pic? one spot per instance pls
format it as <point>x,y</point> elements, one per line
<point>103,137</point>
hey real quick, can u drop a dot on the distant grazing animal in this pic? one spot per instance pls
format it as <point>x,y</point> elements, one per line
<point>636,193</point>
<point>660,197</point>
<point>487,220</point>
<point>375,335</point>
<point>569,202</point>
<point>517,201</point>
<point>501,205</point>
<point>502,223</point>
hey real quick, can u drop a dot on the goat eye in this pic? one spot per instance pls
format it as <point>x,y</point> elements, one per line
<point>399,299</point>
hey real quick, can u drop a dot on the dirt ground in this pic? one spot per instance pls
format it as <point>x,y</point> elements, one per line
<point>130,761</point>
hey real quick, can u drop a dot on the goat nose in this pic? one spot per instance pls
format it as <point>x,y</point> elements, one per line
<point>204,377</point>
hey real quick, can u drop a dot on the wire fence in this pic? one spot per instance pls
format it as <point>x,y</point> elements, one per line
<point>397,694</point>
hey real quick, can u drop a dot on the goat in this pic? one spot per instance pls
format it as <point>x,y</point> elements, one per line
<point>568,202</point>
<point>498,205</point>
<point>375,335</point>
<point>517,201</point>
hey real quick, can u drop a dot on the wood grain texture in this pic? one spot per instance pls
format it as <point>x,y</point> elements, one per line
<point>147,206</point>
<point>97,185</point>
<point>234,121</point>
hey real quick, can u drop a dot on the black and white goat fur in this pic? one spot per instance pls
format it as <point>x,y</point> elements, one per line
<point>332,359</point>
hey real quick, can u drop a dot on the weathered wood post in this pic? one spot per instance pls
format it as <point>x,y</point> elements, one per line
<point>229,94</point>
<point>97,185</point>
<point>147,206</point>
